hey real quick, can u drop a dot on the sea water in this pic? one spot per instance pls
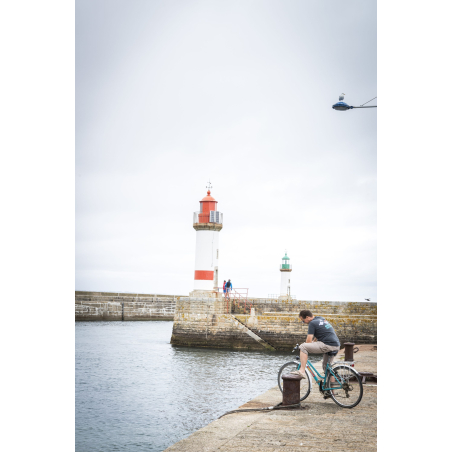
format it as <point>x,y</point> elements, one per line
<point>134,391</point>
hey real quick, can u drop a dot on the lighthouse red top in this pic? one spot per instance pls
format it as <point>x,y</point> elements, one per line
<point>207,204</point>
<point>208,197</point>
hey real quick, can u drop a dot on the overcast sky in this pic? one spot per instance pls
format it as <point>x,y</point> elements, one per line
<point>170,94</point>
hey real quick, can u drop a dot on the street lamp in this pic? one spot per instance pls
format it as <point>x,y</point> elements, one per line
<point>342,106</point>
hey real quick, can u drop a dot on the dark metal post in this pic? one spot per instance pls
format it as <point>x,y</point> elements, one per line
<point>122,316</point>
<point>349,351</point>
<point>291,389</point>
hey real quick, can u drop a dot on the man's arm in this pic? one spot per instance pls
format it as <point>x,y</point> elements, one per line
<point>311,333</point>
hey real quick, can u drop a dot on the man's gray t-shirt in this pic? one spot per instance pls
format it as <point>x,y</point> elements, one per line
<point>323,331</point>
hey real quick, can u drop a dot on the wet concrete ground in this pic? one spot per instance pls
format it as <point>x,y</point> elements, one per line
<point>320,425</point>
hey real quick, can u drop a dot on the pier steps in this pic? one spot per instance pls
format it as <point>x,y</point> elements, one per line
<point>253,334</point>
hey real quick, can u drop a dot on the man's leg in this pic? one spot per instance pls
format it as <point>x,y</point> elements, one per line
<point>326,357</point>
<point>326,360</point>
<point>303,361</point>
<point>305,349</point>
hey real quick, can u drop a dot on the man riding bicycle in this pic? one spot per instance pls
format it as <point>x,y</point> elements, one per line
<point>321,339</point>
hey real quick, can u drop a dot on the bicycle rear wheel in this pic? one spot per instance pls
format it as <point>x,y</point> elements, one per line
<point>305,383</point>
<point>351,392</point>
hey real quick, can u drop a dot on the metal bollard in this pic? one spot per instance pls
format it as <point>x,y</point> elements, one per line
<point>291,389</point>
<point>368,376</point>
<point>349,351</point>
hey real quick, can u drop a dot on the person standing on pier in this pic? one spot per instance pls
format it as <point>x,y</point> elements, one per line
<point>321,339</point>
<point>224,288</point>
<point>228,287</point>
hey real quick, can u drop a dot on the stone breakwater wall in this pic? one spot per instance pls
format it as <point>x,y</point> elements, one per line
<point>274,306</point>
<point>217,323</point>
<point>204,322</point>
<point>124,306</point>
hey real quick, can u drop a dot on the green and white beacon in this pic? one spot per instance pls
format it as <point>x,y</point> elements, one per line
<point>285,269</point>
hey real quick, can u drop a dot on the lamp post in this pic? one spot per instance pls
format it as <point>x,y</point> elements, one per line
<point>342,106</point>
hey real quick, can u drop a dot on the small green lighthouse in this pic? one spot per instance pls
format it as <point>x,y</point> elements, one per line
<point>285,269</point>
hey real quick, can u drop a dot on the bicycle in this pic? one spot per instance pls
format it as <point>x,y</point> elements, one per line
<point>340,382</point>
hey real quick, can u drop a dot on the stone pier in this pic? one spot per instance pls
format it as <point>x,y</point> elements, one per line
<point>271,324</point>
<point>319,426</point>
<point>124,306</point>
<point>213,321</point>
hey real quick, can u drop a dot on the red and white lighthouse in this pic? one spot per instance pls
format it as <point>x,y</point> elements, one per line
<point>207,223</point>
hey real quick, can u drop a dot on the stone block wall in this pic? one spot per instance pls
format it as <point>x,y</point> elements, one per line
<point>272,305</point>
<point>124,306</point>
<point>206,322</point>
<point>202,323</point>
<point>210,322</point>
<point>283,331</point>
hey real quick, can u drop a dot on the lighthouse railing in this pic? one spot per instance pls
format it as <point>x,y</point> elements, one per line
<point>207,217</point>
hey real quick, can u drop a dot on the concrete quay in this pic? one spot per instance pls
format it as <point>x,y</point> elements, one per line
<point>320,425</point>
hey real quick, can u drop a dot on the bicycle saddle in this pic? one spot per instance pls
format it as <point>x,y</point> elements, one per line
<point>333,353</point>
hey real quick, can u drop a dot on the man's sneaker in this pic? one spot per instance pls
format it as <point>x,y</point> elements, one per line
<point>299,372</point>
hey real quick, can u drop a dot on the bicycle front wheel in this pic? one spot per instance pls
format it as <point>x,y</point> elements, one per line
<point>349,392</point>
<point>305,383</point>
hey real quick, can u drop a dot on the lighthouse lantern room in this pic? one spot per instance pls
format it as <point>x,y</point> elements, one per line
<point>207,223</point>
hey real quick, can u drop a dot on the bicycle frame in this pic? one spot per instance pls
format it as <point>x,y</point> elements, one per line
<point>329,370</point>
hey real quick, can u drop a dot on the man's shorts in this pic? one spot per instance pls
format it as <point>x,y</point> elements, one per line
<point>319,347</point>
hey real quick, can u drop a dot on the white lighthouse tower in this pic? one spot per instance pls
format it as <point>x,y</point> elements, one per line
<point>285,269</point>
<point>207,223</point>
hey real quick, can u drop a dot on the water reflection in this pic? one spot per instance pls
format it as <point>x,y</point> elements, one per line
<point>134,391</point>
